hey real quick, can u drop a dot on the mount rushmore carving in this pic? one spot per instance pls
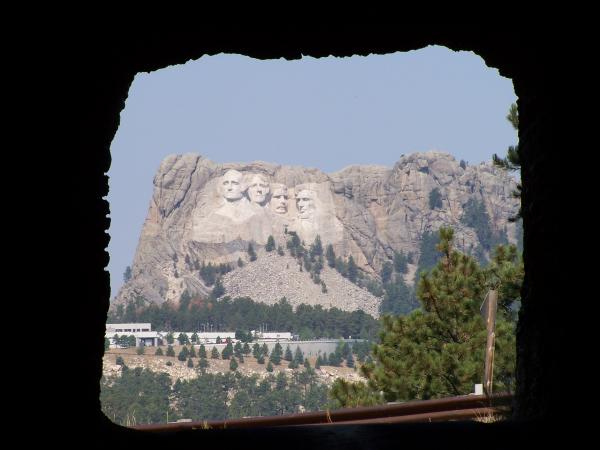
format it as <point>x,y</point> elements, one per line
<point>252,208</point>
<point>203,212</point>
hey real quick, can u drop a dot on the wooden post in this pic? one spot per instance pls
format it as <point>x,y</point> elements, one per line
<point>488,310</point>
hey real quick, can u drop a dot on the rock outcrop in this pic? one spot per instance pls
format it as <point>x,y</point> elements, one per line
<point>203,212</point>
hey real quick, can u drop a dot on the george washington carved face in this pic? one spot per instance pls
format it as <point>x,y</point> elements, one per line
<point>305,203</point>
<point>231,185</point>
<point>279,199</point>
<point>258,189</point>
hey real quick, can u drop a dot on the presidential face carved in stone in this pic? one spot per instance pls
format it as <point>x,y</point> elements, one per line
<point>231,185</point>
<point>305,202</point>
<point>279,199</point>
<point>258,189</point>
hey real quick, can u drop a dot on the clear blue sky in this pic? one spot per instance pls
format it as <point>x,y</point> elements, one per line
<point>326,113</point>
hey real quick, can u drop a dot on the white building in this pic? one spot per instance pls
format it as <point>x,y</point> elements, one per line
<point>203,337</point>
<point>144,336</point>
<point>122,328</point>
<point>272,336</point>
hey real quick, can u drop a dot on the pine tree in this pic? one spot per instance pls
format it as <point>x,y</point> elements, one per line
<point>251,252</point>
<point>350,395</point>
<point>435,199</point>
<point>334,360</point>
<point>127,274</point>
<point>219,341</point>
<point>190,363</point>
<point>306,364</point>
<point>350,360</point>
<point>275,357</point>
<point>386,272</point>
<point>237,349</point>
<point>240,263</point>
<point>192,352</point>
<point>270,244</point>
<point>170,338</point>
<point>170,351</point>
<point>119,361</point>
<point>319,362</point>
<point>323,287</point>
<point>246,349</point>
<point>202,351</point>
<point>233,365</point>
<point>194,337</point>
<point>438,350</point>
<point>182,338</point>
<point>512,161</point>
<point>298,355</point>
<point>218,289</point>
<point>352,269</point>
<point>241,358</point>
<point>265,350</point>
<point>227,351</point>
<point>261,359</point>
<point>183,354</point>
<point>330,255</point>
<point>131,340</point>
<point>269,367</point>
<point>214,354</point>
<point>288,354</point>
<point>158,351</point>
<point>316,248</point>
<point>203,363</point>
<point>400,262</point>
<point>256,350</point>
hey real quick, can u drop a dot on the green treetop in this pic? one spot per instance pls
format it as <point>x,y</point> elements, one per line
<point>288,354</point>
<point>352,269</point>
<point>438,350</point>
<point>270,244</point>
<point>183,339</point>
<point>251,252</point>
<point>330,256</point>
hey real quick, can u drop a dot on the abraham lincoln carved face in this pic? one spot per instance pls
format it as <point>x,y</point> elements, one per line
<point>305,203</point>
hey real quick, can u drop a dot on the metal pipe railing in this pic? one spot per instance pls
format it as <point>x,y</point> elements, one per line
<point>453,408</point>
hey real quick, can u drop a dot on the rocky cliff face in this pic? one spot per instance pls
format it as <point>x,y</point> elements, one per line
<point>206,212</point>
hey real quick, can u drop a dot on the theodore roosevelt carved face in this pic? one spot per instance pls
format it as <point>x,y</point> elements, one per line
<point>305,203</point>
<point>258,189</point>
<point>279,199</point>
<point>231,185</point>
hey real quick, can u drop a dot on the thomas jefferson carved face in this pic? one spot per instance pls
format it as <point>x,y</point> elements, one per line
<point>305,202</point>
<point>231,184</point>
<point>279,199</point>
<point>258,189</point>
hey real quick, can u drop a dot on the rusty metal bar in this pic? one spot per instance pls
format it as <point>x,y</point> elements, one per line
<point>347,415</point>
<point>440,416</point>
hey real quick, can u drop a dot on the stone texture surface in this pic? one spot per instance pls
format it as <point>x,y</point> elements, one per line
<point>364,211</point>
